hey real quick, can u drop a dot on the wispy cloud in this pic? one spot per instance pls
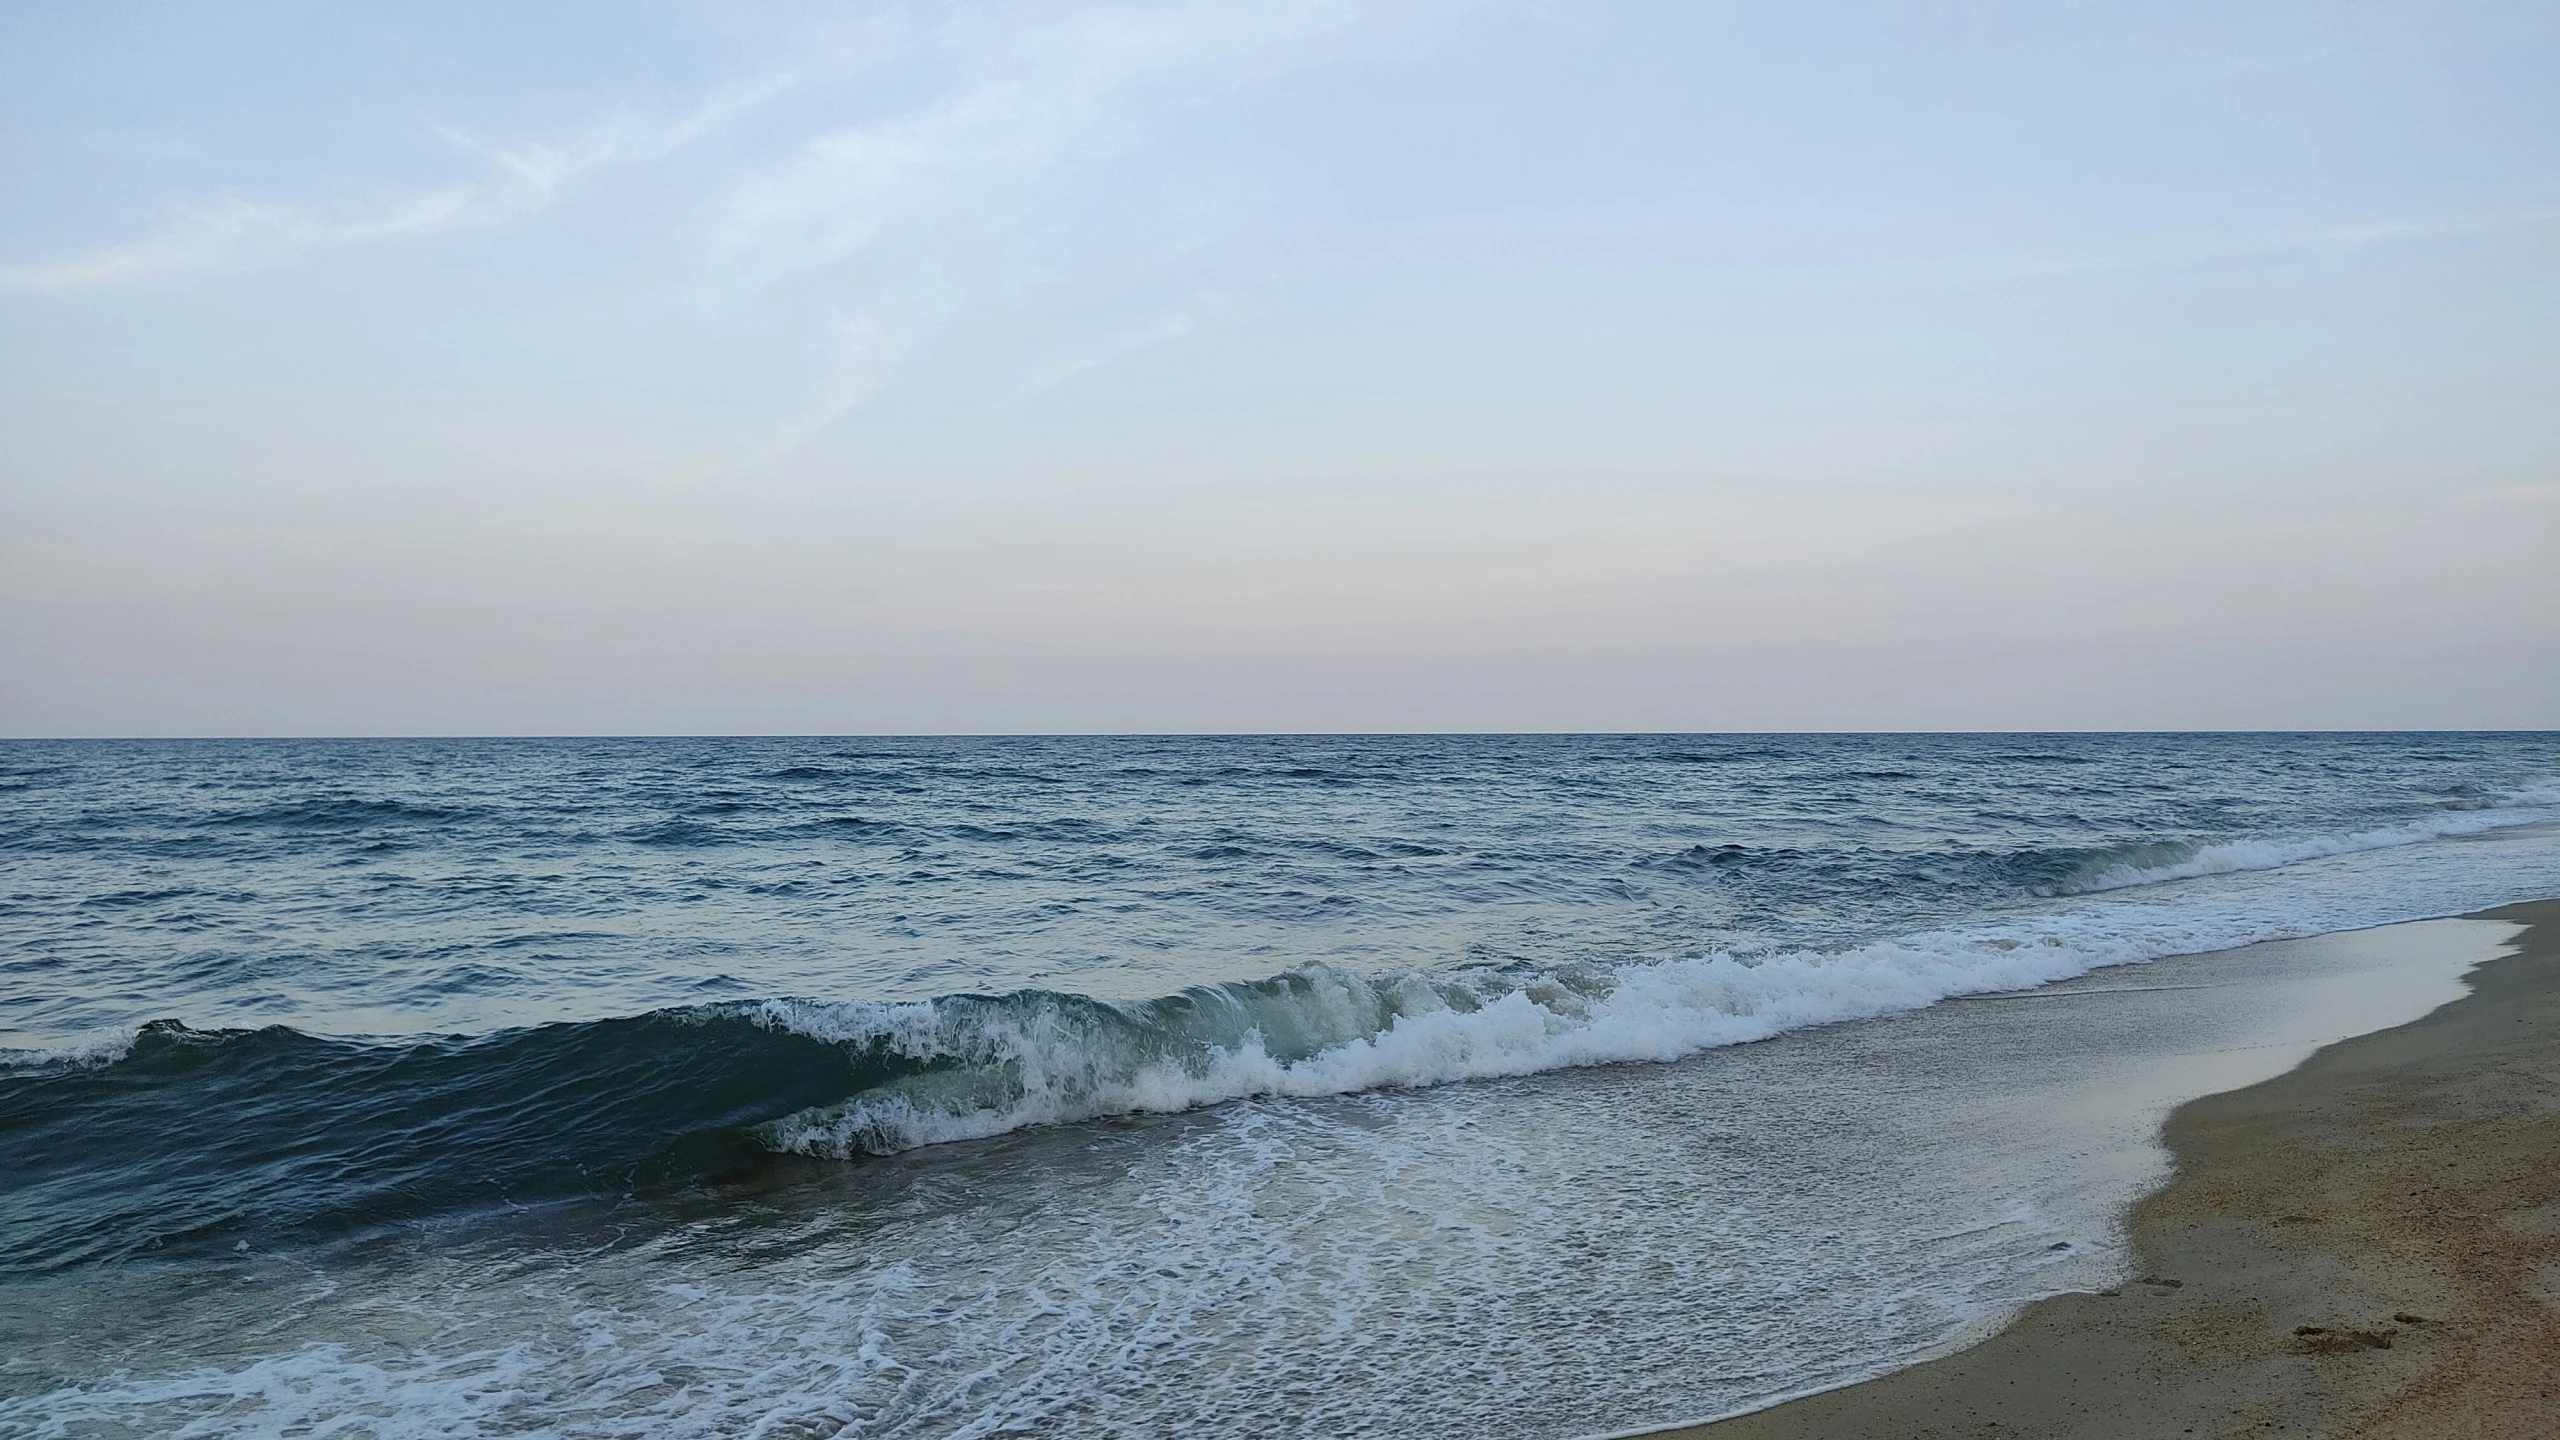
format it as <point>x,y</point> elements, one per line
<point>917,213</point>
<point>1031,85</point>
<point>829,199</point>
<point>233,232</point>
<point>517,177</point>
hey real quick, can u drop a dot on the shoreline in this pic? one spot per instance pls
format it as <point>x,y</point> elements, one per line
<point>2365,1245</point>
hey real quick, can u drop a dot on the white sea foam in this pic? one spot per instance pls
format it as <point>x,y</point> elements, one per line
<point>319,1389</point>
<point>99,1050</point>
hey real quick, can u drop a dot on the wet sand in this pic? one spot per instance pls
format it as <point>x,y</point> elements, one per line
<point>2365,1246</point>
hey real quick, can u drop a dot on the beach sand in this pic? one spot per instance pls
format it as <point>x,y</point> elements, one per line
<point>2367,1245</point>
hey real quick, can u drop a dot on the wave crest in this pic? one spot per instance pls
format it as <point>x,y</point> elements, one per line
<point>1035,1058</point>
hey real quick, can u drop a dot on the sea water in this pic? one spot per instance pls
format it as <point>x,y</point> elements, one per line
<point>1209,1086</point>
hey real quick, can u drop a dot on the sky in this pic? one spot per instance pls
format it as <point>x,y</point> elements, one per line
<point>1299,365</point>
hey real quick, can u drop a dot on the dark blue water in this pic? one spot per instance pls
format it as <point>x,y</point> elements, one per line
<point>282,998</point>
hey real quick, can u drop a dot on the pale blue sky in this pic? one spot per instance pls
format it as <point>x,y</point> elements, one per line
<point>1414,364</point>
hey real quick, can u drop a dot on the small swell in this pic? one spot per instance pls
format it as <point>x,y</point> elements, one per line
<point>338,814</point>
<point>2155,862</point>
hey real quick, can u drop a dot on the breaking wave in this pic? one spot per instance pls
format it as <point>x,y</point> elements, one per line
<point>189,1141</point>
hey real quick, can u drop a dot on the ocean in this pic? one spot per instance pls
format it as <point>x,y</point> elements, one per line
<point>1432,1086</point>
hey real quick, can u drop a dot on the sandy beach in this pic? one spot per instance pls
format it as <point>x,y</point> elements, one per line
<point>2367,1245</point>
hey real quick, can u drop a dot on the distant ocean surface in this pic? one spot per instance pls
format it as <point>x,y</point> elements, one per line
<point>1220,1086</point>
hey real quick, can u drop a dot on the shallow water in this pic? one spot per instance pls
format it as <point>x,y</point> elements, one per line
<point>609,1074</point>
